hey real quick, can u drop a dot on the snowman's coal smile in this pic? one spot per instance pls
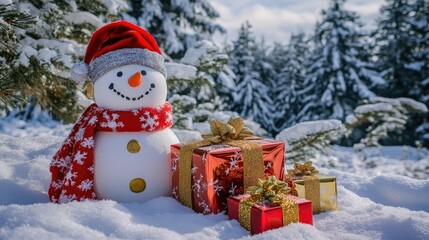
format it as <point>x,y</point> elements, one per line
<point>112,87</point>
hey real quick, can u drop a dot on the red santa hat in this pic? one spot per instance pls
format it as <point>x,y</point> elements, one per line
<point>117,44</point>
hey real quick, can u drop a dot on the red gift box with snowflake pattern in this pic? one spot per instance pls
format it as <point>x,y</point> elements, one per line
<point>217,172</point>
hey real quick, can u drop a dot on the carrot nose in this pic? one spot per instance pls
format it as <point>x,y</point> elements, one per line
<point>135,80</point>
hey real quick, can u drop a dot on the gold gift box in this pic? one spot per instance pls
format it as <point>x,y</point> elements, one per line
<point>328,191</point>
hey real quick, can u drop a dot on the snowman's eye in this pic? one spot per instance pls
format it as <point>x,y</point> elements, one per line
<point>143,72</point>
<point>119,74</point>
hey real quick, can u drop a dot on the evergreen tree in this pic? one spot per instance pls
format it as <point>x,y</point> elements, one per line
<point>290,88</point>
<point>45,53</point>
<point>394,49</point>
<point>267,111</point>
<point>191,83</point>
<point>176,25</point>
<point>419,25</point>
<point>402,50</point>
<point>225,87</point>
<point>277,56</point>
<point>12,20</point>
<point>264,65</point>
<point>252,99</point>
<point>380,116</point>
<point>339,74</point>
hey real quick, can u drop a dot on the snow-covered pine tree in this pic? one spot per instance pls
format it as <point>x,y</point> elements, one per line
<point>277,56</point>
<point>290,88</point>
<point>395,49</point>
<point>45,53</point>
<point>252,98</point>
<point>339,73</point>
<point>176,25</point>
<point>225,87</point>
<point>193,95</point>
<point>419,26</point>
<point>402,50</point>
<point>381,116</point>
<point>11,21</point>
<point>210,62</point>
<point>264,65</point>
<point>192,89</point>
<point>267,76</point>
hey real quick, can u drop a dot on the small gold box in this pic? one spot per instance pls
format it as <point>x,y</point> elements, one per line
<point>320,187</point>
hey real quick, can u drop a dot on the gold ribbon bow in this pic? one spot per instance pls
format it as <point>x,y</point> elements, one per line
<point>308,173</point>
<point>300,170</point>
<point>274,192</point>
<point>271,190</point>
<point>234,129</point>
<point>233,133</point>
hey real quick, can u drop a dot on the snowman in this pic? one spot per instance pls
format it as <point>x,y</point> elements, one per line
<point>119,148</point>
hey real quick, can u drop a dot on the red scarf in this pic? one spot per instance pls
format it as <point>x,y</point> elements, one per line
<point>72,166</point>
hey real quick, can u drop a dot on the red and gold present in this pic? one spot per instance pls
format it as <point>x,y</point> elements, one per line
<point>306,182</point>
<point>264,217</point>
<point>217,172</point>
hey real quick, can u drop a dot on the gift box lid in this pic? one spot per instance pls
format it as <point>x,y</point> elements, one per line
<point>322,178</point>
<point>268,207</point>
<point>223,148</point>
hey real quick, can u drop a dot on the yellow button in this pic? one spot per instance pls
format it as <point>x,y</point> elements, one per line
<point>137,185</point>
<point>133,146</point>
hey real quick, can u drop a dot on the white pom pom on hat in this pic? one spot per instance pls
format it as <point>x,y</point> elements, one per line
<point>80,72</point>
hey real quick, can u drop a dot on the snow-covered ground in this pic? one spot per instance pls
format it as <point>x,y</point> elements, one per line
<point>373,161</point>
<point>375,202</point>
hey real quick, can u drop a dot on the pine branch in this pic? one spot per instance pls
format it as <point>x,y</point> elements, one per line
<point>305,139</point>
<point>384,115</point>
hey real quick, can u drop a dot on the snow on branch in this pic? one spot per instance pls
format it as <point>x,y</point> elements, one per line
<point>181,71</point>
<point>84,17</point>
<point>305,139</point>
<point>383,115</point>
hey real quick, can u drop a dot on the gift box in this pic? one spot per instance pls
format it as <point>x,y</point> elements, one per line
<point>217,172</point>
<point>320,189</point>
<point>264,217</point>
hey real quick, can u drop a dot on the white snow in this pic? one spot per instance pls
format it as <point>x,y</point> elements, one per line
<point>372,161</point>
<point>41,124</point>
<point>413,104</point>
<point>377,207</point>
<point>196,53</point>
<point>5,2</point>
<point>82,100</point>
<point>350,119</point>
<point>187,135</point>
<point>115,6</point>
<point>27,52</point>
<point>375,107</point>
<point>84,17</point>
<point>303,129</point>
<point>408,103</point>
<point>181,71</point>
<point>45,55</point>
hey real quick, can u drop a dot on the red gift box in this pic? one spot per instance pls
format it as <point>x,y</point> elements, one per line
<point>265,217</point>
<point>217,172</point>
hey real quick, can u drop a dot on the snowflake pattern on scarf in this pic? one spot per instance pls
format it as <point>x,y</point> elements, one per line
<point>72,166</point>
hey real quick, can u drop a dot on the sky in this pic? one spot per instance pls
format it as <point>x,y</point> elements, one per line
<point>275,20</point>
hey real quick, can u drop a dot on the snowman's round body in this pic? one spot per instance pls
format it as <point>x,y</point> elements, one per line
<point>132,166</point>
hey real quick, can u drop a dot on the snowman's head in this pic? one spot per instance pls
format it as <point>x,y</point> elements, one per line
<point>130,87</point>
<point>126,66</point>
